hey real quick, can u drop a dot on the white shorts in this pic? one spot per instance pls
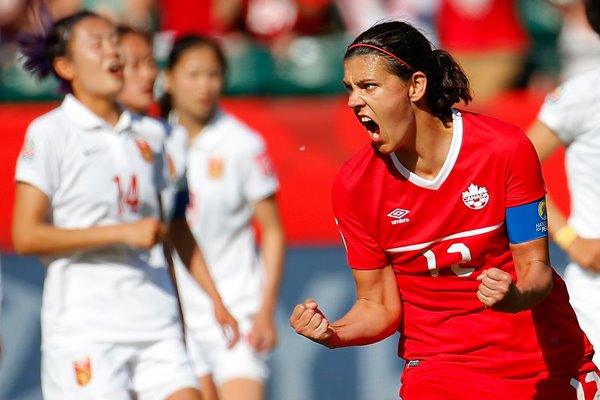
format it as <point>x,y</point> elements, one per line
<point>124,371</point>
<point>583,286</point>
<point>210,355</point>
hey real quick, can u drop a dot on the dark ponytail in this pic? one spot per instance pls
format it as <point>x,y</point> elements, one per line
<point>180,47</point>
<point>592,12</point>
<point>448,85</point>
<point>165,103</point>
<point>407,50</point>
<point>40,50</point>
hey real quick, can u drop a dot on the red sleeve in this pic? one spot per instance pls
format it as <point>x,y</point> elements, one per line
<point>524,180</point>
<point>362,251</point>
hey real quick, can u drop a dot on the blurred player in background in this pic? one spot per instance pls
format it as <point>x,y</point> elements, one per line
<point>571,116</point>
<point>230,183</point>
<point>488,40</point>
<point>578,44</point>
<point>87,201</point>
<point>139,73</point>
<point>1,309</point>
<point>443,218</point>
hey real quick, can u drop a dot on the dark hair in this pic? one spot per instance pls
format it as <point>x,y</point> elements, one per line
<point>592,11</point>
<point>410,51</point>
<point>180,47</point>
<point>40,50</point>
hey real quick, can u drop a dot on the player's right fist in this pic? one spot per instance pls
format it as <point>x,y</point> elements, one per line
<point>308,321</point>
<point>144,233</point>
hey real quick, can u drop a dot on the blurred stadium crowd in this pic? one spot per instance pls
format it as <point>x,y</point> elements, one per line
<point>294,47</point>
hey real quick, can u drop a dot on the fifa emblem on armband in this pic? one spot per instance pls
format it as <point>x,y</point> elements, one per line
<point>215,167</point>
<point>145,149</point>
<point>475,197</point>
<point>83,371</point>
<point>542,212</point>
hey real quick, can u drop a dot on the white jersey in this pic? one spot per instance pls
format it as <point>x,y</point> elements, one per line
<point>572,112</point>
<point>228,172</point>
<point>176,142</point>
<point>93,175</point>
<point>176,145</point>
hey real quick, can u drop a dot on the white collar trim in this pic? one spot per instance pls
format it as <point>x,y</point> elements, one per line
<point>457,135</point>
<point>86,119</point>
<point>173,119</point>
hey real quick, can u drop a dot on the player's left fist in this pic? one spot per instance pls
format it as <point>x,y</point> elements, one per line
<point>496,290</point>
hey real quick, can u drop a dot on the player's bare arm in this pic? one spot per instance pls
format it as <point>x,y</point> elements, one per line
<point>585,252</point>
<point>191,256</point>
<point>33,235</point>
<point>374,316</point>
<point>534,279</point>
<point>544,140</point>
<point>263,335</point>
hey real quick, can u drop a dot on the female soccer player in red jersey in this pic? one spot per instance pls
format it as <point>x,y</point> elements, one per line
<point>86,200</point>
<point>444,222</point>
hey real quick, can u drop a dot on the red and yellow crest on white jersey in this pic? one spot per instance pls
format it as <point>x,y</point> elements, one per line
<point>83,371</point>
<point>145,149</point>
<point>215,167</point>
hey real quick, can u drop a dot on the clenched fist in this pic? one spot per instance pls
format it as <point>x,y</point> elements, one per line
<point>308,321</point>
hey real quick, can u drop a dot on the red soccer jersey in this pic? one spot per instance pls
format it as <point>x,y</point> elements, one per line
<point>440,235</point>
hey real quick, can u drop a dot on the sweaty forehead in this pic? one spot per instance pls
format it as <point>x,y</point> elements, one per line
<point>364,66</point>
<point>135,43</point>
<point>199,57</point>
<point>94,26</point>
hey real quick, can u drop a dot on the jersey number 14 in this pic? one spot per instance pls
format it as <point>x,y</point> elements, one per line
<point>129,198</point>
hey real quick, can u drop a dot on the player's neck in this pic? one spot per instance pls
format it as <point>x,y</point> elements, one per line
<point>195,124</point>
<point>103,107</point>
<point>427,154</point>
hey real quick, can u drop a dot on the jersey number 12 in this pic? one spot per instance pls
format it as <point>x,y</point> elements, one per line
<point>460,248</point>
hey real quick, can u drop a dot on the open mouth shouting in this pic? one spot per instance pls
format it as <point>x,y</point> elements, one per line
<point>371,126</point>
<point>115,68</point>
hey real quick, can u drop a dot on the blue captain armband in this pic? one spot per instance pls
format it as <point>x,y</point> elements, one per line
<point>527,222</point>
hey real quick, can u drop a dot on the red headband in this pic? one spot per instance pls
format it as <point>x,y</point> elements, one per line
<point>395,57</point>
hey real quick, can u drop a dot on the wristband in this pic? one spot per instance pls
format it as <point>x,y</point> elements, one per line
<point>565,237</point>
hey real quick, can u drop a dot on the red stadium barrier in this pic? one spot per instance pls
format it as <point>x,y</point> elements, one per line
<point>308,139</point>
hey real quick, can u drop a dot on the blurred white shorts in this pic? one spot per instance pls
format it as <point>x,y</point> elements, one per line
<point>209,354</point>
<point>103,371</point>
